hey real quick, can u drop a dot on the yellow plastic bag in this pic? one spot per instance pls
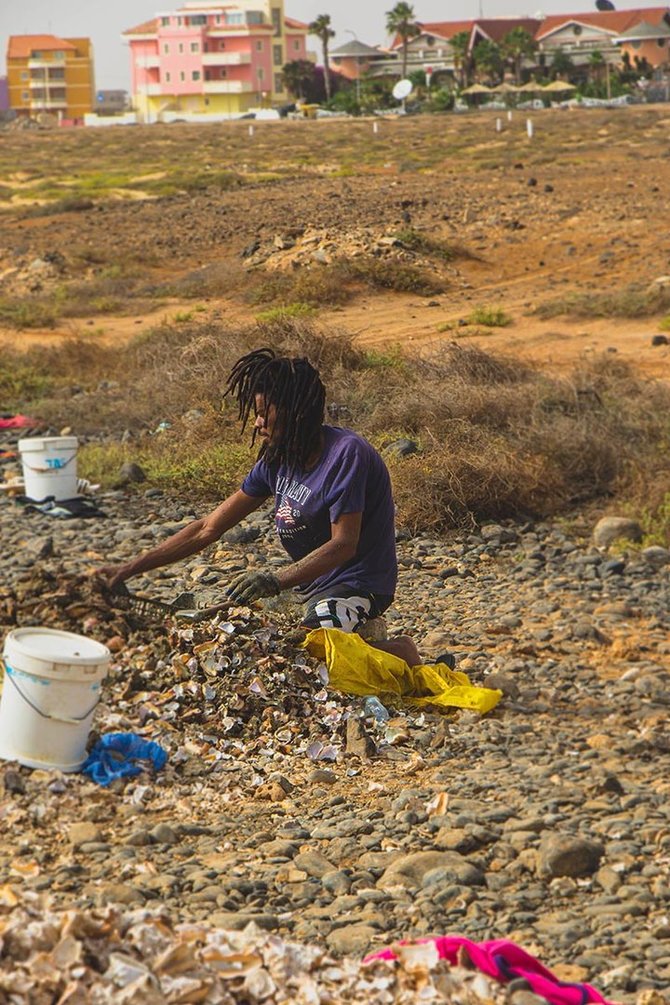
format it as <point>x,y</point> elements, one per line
<point>354,667</point>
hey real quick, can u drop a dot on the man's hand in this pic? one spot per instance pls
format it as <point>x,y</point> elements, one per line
<point>252,586</point>
<point>113,575</point>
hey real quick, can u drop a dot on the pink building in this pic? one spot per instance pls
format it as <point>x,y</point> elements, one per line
<point>213,58</point>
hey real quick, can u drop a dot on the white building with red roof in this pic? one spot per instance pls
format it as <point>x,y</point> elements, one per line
<point>644,33</point>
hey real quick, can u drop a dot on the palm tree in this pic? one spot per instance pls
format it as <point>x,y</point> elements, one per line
<point>488,59</point>
<point>320,27</point>
<point>517,45</point>
<point>400,21</point>
<point>596,64</point>
<point>460,44</point>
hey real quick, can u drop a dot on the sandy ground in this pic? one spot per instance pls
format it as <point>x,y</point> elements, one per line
<point>577,213</point>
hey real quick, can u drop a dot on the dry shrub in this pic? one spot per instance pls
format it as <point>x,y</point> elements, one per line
<point>631,302</point>
<point>497,438</point>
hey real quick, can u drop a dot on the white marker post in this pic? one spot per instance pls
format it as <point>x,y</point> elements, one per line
<point>509,115</point>
<point>251,130</point>
<point>375,128</point>
<point>529,128</point>
<point>498,125</point>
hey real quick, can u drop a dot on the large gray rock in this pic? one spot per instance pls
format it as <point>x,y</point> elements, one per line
<point>614,528</point>
<point>313,863</point>
<point>350,940</point>
<point>430,867</point>
<point>568,855</point>
<point>656,556</point>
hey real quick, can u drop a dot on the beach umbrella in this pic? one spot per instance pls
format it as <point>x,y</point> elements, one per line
<point>557,86</point>
<point>477,89</point>
<point>530,88</point>
<point>505,88</point>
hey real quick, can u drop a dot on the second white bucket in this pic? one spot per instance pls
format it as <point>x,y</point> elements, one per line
<point>50,691</point>
<point>49,466</point>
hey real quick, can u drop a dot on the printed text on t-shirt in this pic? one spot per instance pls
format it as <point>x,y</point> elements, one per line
<point>293,490</point>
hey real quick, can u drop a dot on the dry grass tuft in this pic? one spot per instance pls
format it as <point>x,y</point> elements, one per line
<point>632,302</point>
<point>497,438</point>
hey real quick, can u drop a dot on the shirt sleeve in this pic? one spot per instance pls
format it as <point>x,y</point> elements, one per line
<point>257,482</point>
<point>348,488</point>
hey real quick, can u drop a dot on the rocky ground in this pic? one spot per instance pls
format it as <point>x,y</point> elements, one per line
<point>547,821</point>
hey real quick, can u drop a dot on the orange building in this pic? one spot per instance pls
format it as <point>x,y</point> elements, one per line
<point>50,74</point>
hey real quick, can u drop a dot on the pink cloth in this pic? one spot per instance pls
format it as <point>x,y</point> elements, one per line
<point>506,961</point>
<point>17,422</point>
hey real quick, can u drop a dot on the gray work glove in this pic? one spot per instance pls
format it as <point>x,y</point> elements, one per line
<point>252,586</point>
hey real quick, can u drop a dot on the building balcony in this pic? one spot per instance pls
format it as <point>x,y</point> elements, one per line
<point>148,62</point>
<point>45,64</point>
<point>153,90</point>
<point>226,58</point>
<point>47,104</point>
<point>227,87</point>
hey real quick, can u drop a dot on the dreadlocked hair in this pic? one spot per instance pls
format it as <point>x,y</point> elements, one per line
<point>295,389</point>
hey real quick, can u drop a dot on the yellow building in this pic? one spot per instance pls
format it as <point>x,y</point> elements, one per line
<point>50,74</point>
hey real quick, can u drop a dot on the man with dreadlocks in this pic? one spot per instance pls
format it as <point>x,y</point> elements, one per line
<point>334,511</point>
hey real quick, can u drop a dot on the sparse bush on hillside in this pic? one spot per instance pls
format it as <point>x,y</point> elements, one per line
<point>631,302</point>
<point>337,283</point>
<point>498,438</point>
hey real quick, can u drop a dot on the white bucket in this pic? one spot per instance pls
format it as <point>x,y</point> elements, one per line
<point>49,466</point>
<point>49,694</point>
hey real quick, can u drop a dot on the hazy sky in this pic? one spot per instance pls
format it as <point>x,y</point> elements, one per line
<point>104,20</point>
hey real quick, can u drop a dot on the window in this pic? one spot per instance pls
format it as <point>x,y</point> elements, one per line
<point>165,21</point>
<point>59,54</point>
<point>260,73</point>
<point>279,83</point>
<point>26,76</point>
<point>218,19</point>
<point>208,74</point>
<point>181,47</point>
<point>259,46</point>
<point>198,19</point>
<point>182,75</point>
<point>167,77</point>
<point>660,42</point>
<point>25,95</point>
<point>222,46</point>
<point>58,93</point>
<point>277,55</point>
<point>577,29</point>
<point>36,54</point>
<point>276,20</point>
<point>234,18</point>
<point>195,75</point>
<point>296,45</point>
<point>57,73</point>
<point>195,46</point>
<point>166,49</point>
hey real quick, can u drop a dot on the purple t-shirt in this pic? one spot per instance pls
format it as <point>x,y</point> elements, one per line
<point>349,477</point>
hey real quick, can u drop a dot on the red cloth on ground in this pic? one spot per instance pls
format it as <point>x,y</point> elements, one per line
<point>18,422</point>
<point>506,961</point>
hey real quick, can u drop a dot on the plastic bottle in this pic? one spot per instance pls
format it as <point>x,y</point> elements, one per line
<point>373,707</point>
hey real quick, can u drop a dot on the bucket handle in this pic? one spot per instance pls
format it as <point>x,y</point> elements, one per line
<point>44,471</point>
<point>75,720</point>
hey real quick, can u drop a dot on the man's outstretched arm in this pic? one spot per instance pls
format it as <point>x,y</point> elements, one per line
<point>195,537</point>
